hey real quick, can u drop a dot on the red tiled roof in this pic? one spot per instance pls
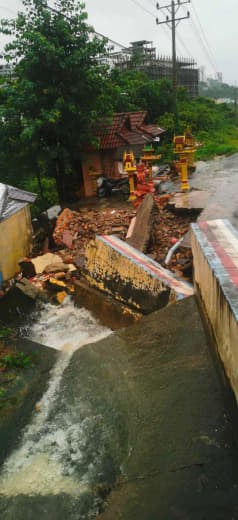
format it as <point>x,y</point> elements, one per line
<point>137,119</point>
<point>127,128</point>
<point>153,130</point>
<point>134,137</point>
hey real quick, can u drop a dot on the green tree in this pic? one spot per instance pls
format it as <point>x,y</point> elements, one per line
<point>133,90</point>
<point>58,92</point>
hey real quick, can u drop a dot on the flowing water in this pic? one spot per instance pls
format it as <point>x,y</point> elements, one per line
<point>61,451</point>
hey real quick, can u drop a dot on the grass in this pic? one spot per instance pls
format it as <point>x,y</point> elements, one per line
<point>11,363</point>
<point>217,143</point>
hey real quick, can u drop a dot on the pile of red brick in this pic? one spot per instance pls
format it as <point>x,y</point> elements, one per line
<point>74,229</point>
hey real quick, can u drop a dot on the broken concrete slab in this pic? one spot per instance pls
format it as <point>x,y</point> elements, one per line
<point>215,253</point>
<point>142,227</point>
<point>108,311</point>
<point>30,290</point>
<point>42,263</point>
<point>118,269</point>
<point>192,200</point>
<point>56,268</point>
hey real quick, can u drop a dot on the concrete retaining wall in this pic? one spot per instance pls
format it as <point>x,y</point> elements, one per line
<point>215,252</point>
<point>120,270</point>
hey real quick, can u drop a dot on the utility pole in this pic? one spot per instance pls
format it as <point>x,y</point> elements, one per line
<point>173,22</point>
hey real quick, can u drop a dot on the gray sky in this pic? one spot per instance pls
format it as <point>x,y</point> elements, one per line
<point>124,21</point>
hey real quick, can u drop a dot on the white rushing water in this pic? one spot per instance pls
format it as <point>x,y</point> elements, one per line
<point>54,441</point>
<point>65,327</point>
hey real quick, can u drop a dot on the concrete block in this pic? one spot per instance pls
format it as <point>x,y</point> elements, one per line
<point>118,269</point>
<point>215,252</point>
<point>142,227</point>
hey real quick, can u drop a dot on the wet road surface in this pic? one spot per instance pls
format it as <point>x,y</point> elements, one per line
<point>220,178</point>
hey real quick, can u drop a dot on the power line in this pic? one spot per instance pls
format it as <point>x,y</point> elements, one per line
<point>68,18</point>
<point>172,20</point>
<point>184,46</point>
<point>203,45</point>
<point>97,33</point>
<point>197,33</point>
<point>204,34</point>
<point>143,8</point>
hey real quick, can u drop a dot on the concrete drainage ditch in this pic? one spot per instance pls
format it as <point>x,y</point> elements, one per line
<point>133,426</point>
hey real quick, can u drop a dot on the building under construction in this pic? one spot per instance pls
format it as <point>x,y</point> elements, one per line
<point>142,56</point>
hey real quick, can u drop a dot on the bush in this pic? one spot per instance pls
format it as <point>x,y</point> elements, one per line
<point>50,195</point>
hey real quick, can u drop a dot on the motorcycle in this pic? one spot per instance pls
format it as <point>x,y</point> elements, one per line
<point>107,186</point>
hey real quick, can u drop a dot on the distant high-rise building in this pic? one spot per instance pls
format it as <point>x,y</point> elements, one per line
<point>219,76</point>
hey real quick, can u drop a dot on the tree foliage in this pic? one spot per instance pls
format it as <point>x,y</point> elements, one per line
<point>58,90</point>
<point>133,90</point>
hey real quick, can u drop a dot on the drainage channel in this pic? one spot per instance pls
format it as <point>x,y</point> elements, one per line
<point>61,451</point>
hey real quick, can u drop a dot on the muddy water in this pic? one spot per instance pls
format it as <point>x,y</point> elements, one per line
<point>60,452</point>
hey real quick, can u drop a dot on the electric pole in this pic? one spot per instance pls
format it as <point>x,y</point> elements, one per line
<point>172,21</point>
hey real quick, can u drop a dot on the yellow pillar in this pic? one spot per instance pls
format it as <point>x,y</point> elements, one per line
<point>184,174</point>
<point>191,163</point>
<point>94,175</point>
<point>132,185</point>
<point>130,169</point>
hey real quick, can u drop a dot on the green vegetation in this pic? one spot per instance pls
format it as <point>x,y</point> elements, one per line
<point>57,95</point>
<point>5,332</point>
<point>215,126</point>
<point>60,92</point>
<point>214,89</point>
<point>16,360</point>
<point>11,362</point>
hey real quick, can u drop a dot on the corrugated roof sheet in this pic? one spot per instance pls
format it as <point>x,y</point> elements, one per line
<point>13,200</point>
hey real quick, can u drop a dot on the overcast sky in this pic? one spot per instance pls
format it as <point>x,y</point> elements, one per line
<point>212,44</point>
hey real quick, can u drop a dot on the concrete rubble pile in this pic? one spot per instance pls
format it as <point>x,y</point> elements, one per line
<point>150,230</point>
<point>168,229</point>
<point>74,229</point>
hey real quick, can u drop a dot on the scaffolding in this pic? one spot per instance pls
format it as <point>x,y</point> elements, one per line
<point>142,56</point>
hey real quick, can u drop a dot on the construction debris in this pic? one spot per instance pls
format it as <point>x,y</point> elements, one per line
<point>194,200</point>
<point>30,290</point>
<point>74,229</point>
<point>152,229</point>
<point>167,227</point>
<point>41,262</point>
<point>142,226</point>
